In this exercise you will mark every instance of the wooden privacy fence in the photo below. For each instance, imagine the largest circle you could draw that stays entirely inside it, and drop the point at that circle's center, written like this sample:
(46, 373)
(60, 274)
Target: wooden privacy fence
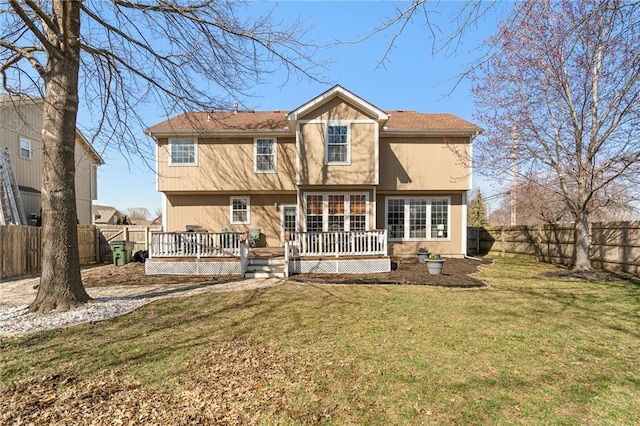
(21, 249)
(21, 246)
(138, 234)
(614, 245)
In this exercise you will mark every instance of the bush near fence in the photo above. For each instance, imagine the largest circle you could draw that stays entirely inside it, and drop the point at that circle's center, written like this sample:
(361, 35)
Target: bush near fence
(21, 249)
(614, 246)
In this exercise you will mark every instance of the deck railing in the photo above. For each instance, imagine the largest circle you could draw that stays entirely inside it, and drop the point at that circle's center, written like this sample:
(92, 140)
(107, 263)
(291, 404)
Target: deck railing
(194, 244)
(341, 243)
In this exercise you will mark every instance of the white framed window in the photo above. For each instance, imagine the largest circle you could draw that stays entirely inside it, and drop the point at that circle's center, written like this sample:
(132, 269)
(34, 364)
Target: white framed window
(336, 212)
(239, 210)
(183, 152)
(266, 155)
(314, 213)
(338, 146)
(358, 208)
(418, 218)
(25, 148)
(439, 218)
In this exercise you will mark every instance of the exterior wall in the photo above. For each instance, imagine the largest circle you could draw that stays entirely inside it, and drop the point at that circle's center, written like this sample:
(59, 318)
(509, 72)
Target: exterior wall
(425, 163)
(85, 184)
(452, 246)
(212, 212)
(31, 203)
(335, 109)
(363, 134)
(27, 124)
(362, 167)
(227, 164)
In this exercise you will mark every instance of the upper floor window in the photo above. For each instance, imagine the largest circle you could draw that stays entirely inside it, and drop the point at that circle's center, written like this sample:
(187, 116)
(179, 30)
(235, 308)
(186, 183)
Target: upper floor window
(25, 148)
(337, 149)
(265, 155)
(182, 152)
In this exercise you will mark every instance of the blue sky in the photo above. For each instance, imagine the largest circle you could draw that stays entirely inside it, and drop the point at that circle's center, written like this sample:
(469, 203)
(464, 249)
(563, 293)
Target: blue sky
(411, 79)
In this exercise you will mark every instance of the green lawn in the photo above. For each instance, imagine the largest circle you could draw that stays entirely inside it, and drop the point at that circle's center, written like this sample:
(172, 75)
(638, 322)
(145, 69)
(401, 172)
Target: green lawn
(528, 350)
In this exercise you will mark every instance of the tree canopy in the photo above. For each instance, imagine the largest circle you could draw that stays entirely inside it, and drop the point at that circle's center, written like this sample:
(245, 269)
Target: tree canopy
(112, 58)
(567, 80)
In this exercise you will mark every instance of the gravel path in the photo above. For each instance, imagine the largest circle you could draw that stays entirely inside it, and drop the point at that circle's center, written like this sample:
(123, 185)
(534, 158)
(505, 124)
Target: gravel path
(110, 302)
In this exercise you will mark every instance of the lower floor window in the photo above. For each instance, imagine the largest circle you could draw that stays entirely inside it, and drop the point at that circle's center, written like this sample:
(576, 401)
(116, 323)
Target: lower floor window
(336, 212)
(240, 210)
(418, 218)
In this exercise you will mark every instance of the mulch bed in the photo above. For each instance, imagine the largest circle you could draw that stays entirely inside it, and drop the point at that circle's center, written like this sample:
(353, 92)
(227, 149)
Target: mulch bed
(456, 273)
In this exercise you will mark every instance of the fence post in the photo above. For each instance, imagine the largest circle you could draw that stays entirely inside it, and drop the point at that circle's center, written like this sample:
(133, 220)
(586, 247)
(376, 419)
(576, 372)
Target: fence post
(146, 238)
(125, 233)
(96, 242)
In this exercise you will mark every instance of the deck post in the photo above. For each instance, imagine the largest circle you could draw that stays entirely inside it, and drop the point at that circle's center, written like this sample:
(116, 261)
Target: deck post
(384, 242)
(286, 259)
(244, 254)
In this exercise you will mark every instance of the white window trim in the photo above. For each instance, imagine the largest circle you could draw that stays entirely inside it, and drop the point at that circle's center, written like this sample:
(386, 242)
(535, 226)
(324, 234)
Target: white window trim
(297, 224)
(28, 157)
(428, 199)
(275, 156)
(195, 153)
(325, 208)
(248, 221)
(326, 144)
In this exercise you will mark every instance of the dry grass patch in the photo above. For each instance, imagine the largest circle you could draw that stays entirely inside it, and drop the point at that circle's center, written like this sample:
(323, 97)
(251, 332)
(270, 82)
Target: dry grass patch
(532, 349)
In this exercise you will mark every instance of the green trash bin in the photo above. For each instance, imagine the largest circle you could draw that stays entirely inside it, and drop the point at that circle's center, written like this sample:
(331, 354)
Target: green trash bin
(121, 252)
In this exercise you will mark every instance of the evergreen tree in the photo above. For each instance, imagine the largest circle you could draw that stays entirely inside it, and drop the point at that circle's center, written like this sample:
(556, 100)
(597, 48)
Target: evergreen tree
(477, 211)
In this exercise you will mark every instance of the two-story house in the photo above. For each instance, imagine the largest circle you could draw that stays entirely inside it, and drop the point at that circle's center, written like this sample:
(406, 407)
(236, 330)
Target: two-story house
(336, 163)
(20, 132)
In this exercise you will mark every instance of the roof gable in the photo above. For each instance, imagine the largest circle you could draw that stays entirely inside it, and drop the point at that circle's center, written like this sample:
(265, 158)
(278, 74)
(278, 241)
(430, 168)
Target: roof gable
(338, 91)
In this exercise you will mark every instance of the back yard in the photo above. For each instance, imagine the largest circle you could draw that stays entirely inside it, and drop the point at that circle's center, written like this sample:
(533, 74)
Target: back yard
(534, 347)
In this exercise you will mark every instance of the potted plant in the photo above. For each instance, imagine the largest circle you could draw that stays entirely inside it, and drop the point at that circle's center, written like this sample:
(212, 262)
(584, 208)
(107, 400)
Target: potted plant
(422, 254)
(435, 262)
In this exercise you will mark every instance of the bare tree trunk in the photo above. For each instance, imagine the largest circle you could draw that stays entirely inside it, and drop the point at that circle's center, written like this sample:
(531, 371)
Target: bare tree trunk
(582, 263)
(60, 283)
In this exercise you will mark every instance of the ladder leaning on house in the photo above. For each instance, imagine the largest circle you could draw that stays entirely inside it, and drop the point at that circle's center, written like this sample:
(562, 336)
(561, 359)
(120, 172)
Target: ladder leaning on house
(12, 211)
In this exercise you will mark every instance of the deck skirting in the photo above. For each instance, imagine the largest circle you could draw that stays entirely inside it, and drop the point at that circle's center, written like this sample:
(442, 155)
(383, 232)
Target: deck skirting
(339, 266)
(182, 267)
(176, 266)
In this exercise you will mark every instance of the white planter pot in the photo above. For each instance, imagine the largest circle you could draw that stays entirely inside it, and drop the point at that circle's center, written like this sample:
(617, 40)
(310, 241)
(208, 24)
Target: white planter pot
(435, 266)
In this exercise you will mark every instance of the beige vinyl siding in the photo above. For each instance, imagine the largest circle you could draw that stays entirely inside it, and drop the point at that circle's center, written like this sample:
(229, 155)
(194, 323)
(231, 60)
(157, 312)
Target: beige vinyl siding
(25, 123)
(24, 120)
(31, 203)
(360, 171)
(335, 109)
(425, 163)
(227, 164)
(212, 212)
(84, 183)
(452, 247)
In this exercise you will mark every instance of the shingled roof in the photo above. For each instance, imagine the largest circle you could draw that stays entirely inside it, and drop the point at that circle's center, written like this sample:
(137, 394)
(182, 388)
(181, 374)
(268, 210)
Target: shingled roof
(277, 121)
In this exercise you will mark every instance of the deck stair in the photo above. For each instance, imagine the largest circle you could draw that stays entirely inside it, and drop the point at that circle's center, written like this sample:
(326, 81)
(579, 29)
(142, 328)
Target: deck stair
(266, 263)
(11, 208)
